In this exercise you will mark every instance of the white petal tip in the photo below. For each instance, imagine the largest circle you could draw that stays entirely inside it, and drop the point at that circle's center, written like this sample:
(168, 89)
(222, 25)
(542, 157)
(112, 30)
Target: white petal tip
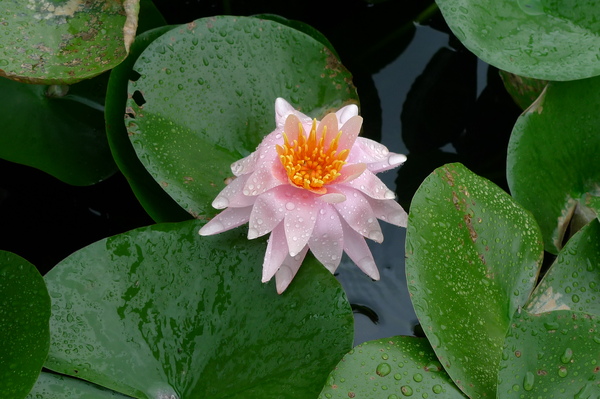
(397, 159)
(220, 203)
(252, 233)
(376, 236)
(283, 278)
(398, 218)
(333, 198)
(211, 228)
(368, 266)
(389, 194)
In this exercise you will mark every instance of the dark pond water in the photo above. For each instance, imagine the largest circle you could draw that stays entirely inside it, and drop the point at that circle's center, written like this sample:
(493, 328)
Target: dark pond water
(422, 94)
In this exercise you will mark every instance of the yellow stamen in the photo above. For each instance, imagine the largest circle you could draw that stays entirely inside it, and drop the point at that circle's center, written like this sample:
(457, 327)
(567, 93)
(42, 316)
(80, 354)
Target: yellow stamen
(308, 163)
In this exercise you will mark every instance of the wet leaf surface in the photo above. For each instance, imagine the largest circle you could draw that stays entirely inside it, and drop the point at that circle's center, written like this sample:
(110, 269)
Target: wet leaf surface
(64, 42)
(552, 40)
(392, 368)
(54, 386)
(57, 129)
(159, 205)
(553, 160)
(473, 257)
(163, 311)
(573, 281)
(24, 334)
(206, 93)
(551, 355)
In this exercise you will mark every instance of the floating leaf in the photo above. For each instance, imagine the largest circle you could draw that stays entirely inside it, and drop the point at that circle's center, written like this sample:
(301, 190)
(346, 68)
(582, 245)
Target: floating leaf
(523, 90)
(553, 160)
(551, 40)
(573, 281)
(551, 355)
(54, 386)
(24, 334)
(64, 42)
(390, 368)
(206, 94)
(472, 258)
(159, 205)
(163, 311)
(57, 129)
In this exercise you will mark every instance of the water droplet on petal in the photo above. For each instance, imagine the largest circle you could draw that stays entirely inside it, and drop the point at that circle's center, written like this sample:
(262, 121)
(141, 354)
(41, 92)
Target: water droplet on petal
(290, 206)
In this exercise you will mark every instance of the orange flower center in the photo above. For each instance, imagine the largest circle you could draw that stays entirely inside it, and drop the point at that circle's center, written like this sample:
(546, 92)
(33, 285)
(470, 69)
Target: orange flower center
(308, 163)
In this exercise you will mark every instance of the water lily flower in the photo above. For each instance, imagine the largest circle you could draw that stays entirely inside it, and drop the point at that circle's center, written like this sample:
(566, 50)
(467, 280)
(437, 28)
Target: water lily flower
(312, 185)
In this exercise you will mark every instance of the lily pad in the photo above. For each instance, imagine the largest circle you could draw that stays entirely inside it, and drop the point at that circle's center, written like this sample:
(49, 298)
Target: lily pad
(24, 333)
(155, 201)
(552, 355)
(206, 93)
(393, 368)
(553, 164)
(55, 386)
(57, 129)
(542, 39)
(162, 311)
(573, 281)
(63, 42)
(524, 91)
(472, 259)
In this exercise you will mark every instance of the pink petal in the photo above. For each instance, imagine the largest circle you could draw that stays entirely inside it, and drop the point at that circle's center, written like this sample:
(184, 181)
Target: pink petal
(268, 211)
(244, 165)
(372, 186)
(283, 109)
(345, 113)
(357, 249)
(377, 157)
(332, 197)
(350, 172)
(226, 220)
(300, 219)
(327, 239)
(292, 128)
(232, 195)
(357, 212)
(262, 180)
(331, 123)
(288, 270)
(389, 211)
(350, 131)
(276, 253)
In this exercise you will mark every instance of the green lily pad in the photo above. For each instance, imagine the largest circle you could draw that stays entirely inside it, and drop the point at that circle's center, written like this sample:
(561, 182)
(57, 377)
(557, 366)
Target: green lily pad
(24, 331)
(206, 93)
(553, 162)
(472, 258)
(63, 42)
(157, 203)
(163, 311)
(393, 368)
(523, 90)
(552, 355)
(573, 281)
(57, 129)
(542, 39)
(55, 386)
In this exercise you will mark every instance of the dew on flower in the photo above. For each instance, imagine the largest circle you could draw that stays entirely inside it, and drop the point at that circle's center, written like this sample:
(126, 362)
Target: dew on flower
(311, 179)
